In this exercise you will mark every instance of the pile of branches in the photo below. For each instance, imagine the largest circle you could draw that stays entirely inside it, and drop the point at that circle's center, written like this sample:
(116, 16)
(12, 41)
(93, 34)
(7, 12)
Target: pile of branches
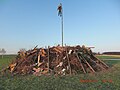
(56, 60)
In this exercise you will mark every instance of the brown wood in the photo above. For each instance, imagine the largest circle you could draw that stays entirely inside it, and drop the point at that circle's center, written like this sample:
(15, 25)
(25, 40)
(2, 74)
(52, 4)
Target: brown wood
(38, 59)
(48, 59)
(80, 63)
(101, 61)
(88, 64)
(68, 61)
(97, 64)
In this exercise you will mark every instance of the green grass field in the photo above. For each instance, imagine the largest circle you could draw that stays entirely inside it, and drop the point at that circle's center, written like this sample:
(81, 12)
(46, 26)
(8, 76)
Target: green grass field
(104, 80)
(6, 60)
(108, 56)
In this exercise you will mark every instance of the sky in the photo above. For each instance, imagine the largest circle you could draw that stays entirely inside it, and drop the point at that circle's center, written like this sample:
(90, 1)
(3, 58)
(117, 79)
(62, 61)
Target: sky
(27, 23)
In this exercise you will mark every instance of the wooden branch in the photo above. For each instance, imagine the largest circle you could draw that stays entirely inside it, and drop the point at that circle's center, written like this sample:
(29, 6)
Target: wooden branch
(97, 64)
(38, 58)
(48, 59)
(80, 62)
(101, 61)
(88, 63)
(68, 61)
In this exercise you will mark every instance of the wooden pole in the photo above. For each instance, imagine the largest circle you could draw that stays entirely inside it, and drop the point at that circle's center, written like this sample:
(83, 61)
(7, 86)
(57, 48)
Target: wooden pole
(68, 61)
(96, 64)
(60, 13)
(62, 26)
(87, 63)
(48, 59)
(80, 62)
(101, 61)
(38, 58)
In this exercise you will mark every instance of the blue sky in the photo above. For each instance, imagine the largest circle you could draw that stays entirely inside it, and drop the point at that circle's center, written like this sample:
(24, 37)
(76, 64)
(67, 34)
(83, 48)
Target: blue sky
(27, 23)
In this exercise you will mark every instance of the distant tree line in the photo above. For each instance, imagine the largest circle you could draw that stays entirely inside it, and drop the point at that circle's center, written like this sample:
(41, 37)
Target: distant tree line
(111, 53)
(2, 52)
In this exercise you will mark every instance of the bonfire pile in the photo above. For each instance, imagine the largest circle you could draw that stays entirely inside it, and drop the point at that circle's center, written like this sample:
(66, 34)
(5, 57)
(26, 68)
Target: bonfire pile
(56, 60)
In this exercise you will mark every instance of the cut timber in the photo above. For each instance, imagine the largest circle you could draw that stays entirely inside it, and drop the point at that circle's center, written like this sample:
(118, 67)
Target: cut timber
(101, 61)
(38, 59)
(87, 64)
(56, 60)
(80, 63)
(48, 58)
(68, 61)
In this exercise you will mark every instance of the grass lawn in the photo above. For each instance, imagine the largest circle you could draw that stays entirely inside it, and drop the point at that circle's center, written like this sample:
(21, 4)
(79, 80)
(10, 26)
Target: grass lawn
(104, 80)
(6, 60)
